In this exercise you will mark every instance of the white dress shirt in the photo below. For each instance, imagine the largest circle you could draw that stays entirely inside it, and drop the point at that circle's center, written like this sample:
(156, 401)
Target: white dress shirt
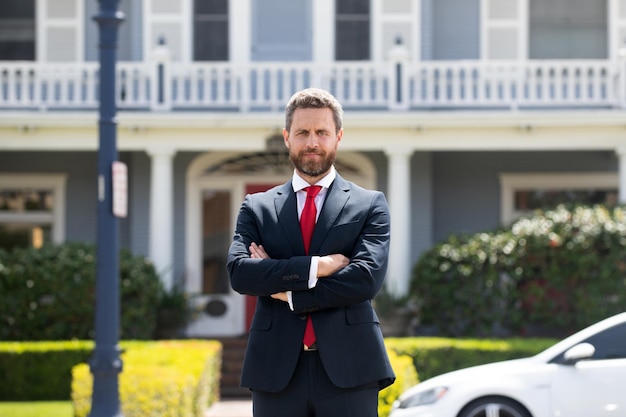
(299, 185)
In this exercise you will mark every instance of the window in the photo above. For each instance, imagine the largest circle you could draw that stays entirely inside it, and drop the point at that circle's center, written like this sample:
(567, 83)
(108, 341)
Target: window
(17, 30)
(608, 344)
(210, 30)
(568, 29)
(31, 210)
(523, 193)
(352, 30)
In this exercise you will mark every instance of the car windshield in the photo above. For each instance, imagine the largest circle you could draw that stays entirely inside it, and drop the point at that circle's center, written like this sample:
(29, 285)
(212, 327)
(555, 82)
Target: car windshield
(609, 344)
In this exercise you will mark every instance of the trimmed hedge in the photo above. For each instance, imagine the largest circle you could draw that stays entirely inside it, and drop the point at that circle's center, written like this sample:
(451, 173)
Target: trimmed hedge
(150, 365)
(406, 377)
(39, 371)
(49, 294)
(165, 378)
(434, 356)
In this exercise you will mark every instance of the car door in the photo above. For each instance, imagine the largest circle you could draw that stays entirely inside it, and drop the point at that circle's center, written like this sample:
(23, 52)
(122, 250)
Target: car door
(595, 386)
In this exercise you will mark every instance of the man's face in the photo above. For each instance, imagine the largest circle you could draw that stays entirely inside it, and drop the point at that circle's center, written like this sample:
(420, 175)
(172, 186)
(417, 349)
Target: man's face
(312, 142)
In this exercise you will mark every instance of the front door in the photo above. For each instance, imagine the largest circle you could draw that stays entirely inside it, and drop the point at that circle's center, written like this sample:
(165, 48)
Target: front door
(218, 309)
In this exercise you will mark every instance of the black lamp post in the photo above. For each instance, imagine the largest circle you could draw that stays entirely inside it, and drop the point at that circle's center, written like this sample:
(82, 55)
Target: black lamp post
(106, 363)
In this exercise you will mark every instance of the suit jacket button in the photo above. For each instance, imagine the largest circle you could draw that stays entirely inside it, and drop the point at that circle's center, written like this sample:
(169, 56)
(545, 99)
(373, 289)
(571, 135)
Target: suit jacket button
(302, 316)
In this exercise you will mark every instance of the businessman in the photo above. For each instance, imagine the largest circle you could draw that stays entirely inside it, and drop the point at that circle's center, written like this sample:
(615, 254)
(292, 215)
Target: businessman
(314, 251)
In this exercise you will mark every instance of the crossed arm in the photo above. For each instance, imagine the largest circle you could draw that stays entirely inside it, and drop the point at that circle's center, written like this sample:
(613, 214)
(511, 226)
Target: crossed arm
(255, 269)
(326, 266)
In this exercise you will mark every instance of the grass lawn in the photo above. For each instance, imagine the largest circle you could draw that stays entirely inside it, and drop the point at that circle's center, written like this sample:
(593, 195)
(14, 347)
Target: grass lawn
(36, 409)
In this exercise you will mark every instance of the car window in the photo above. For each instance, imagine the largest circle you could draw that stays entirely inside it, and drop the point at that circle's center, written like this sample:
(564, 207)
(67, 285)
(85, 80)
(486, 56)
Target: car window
(609, 344)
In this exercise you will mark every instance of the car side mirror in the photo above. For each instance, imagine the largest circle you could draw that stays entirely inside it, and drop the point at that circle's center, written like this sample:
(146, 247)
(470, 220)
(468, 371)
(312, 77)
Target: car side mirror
(579, 352)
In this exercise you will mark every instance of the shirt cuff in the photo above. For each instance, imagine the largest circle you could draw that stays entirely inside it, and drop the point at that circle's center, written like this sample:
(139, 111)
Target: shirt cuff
(312, 279)
(313, 271)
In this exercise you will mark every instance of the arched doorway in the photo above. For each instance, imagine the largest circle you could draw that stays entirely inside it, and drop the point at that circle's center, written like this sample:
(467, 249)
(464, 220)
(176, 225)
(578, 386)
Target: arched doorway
(217, 183)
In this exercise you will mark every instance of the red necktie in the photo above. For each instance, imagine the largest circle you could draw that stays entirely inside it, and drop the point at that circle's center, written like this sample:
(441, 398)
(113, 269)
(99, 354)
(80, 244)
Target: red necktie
(307, 224)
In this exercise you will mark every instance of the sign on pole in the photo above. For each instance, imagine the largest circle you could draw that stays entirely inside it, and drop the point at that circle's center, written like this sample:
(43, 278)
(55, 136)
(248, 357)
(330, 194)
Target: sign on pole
(120, 189)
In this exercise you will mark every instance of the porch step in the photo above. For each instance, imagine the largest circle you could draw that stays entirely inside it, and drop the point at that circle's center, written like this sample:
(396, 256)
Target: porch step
(233, 352)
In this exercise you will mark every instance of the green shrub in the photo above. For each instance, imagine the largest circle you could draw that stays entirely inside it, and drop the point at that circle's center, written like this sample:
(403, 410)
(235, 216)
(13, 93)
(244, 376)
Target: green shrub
(435, 355)
(49, 293)
(406, 377)
(165, 379)
(549, 275)
(39, 371)
(570, 269)
(458, 284)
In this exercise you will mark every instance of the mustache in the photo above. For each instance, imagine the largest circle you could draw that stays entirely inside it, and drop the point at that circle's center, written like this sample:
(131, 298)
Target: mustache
(312, 151)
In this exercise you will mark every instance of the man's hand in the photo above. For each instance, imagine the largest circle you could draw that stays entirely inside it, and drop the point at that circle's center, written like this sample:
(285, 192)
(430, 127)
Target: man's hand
(326, 266)
(330, 264)
(257, 251)
(282, 296)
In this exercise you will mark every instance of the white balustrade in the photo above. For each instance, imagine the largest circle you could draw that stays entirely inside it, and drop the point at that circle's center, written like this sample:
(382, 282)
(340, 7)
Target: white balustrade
(399, 84)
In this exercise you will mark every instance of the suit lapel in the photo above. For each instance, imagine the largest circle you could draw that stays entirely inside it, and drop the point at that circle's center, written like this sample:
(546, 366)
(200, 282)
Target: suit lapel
(336, 199)
(287, 213)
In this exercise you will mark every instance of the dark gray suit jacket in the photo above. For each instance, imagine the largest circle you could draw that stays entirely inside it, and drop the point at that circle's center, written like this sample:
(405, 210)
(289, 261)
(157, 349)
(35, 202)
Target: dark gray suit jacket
(353, 222)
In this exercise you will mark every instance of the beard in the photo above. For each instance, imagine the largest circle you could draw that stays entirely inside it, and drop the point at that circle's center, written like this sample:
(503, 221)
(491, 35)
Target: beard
(313, 168)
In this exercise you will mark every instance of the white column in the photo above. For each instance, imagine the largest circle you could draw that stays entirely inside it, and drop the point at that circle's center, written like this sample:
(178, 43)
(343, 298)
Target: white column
(621, 155)
(399, 187)
(161, 213)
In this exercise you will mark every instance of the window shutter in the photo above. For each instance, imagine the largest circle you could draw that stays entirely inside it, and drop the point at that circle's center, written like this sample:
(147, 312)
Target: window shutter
(504, 29)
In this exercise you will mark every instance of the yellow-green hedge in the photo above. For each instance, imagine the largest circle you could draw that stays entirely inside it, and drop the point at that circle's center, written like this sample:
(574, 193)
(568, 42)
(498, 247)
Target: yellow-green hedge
(406, 376)
(436, 355)
(39, 371)
(164, 379)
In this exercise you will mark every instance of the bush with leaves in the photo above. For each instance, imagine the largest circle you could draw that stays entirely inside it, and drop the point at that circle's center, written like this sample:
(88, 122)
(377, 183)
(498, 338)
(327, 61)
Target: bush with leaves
(49, 293)
(459, 283)
(557, 271)
(570, 269)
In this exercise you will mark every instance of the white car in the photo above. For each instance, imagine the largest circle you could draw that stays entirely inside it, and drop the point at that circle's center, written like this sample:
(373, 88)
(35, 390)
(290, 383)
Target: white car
(583, 375)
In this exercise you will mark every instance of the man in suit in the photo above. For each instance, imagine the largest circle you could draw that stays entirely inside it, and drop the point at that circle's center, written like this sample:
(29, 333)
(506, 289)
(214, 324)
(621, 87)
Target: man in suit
(315, 347)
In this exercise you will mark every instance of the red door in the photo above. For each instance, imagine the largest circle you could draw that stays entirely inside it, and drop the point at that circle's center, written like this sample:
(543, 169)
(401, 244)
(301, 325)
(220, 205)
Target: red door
(251, 300)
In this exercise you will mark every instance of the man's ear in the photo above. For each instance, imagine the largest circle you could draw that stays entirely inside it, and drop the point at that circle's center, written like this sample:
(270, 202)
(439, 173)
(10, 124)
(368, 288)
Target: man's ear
(339, 135)
(286, 137)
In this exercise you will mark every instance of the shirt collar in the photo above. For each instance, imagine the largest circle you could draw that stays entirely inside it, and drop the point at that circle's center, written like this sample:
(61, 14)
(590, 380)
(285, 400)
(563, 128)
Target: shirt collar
(298, 183)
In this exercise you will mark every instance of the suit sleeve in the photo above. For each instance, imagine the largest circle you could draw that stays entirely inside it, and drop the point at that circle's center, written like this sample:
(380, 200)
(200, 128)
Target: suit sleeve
(364, 276)
(261, 277)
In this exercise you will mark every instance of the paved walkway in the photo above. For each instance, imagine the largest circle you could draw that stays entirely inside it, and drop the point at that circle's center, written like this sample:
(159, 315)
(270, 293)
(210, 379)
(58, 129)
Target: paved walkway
(231, 408)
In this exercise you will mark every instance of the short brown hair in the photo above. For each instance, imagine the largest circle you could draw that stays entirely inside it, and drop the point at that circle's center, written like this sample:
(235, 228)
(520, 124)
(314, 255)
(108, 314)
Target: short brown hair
(314, 98)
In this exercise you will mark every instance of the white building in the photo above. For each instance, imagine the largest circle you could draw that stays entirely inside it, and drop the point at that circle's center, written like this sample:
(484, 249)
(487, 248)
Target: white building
(464, 112)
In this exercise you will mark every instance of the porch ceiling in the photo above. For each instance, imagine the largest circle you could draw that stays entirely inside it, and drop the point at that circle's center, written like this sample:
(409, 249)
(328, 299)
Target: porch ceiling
(364, 131)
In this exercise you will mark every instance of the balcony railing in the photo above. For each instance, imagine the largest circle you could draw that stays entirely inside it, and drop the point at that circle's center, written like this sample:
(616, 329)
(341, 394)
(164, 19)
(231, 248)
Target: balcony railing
(397, 84)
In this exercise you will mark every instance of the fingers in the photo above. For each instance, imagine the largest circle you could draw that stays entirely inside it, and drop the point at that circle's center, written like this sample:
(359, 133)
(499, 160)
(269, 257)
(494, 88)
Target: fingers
(282, 296)
(257, 251)
(330, 264)
(341, 260)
